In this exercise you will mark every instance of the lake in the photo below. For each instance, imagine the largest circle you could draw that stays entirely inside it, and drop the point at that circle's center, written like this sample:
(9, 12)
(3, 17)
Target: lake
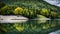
(32, 26)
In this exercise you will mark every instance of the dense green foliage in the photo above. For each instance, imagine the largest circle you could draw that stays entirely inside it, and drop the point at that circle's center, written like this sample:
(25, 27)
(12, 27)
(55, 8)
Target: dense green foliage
(30, 27)
(1, 4)
(30, 9)
(25, 12)
(48, 13)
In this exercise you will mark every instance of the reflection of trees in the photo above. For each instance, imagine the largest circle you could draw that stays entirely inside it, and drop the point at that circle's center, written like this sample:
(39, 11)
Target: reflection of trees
(31, 26)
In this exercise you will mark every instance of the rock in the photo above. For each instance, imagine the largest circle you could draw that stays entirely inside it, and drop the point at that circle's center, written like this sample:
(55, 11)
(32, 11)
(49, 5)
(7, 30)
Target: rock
(12, 19)
(56, 32)
(54, 2)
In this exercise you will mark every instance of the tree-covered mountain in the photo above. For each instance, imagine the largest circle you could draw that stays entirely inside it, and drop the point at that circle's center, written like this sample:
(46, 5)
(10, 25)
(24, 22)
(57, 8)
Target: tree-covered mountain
(30, 8)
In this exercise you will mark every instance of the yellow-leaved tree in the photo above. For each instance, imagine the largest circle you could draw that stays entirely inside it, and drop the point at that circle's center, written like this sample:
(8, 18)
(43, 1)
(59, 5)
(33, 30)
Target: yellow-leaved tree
(18, 10)
(44, 11)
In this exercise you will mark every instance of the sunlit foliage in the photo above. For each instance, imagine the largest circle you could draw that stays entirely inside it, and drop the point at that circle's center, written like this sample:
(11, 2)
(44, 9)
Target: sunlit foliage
(18, 27)
(30, 9)
(44, 11)
(54, 14)
(18, 10)
(24, 12)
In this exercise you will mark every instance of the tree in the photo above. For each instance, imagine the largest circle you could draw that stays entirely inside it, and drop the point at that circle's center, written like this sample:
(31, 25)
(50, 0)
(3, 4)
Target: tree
(18, 10)
(1, 4)
(4, 9)
(54, 14)
(44, 12)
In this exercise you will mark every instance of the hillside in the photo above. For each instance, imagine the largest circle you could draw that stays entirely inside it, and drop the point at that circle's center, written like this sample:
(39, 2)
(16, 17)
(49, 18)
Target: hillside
(30, 8)
(37, 9)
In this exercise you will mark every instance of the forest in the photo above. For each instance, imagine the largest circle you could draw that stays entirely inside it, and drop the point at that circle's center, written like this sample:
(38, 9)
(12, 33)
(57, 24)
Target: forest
(30, 9)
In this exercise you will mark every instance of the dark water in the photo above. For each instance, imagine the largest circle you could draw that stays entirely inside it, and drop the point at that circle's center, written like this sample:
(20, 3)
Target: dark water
(31, 27)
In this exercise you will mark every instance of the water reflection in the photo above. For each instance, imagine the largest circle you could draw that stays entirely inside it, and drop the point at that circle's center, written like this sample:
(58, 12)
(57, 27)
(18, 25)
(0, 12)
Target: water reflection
(31, 26)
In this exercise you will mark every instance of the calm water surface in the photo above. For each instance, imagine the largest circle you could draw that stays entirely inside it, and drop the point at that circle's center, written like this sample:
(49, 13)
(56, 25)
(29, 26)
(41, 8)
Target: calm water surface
(35, 27)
